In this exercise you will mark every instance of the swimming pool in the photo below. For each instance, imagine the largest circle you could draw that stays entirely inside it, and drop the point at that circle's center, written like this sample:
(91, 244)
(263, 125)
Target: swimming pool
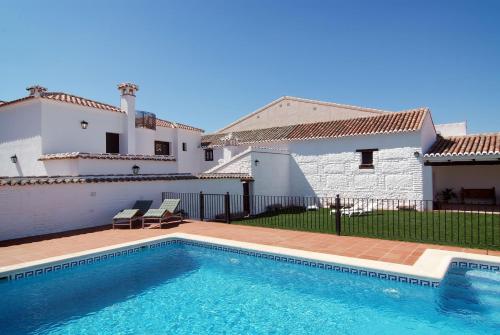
(190, 289)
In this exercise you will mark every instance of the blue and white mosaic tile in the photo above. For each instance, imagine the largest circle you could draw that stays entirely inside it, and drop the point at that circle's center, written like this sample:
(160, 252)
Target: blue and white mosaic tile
(278, 258)
(474, 265)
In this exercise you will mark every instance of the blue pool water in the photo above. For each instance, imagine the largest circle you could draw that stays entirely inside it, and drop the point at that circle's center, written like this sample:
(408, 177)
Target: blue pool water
(185, 289)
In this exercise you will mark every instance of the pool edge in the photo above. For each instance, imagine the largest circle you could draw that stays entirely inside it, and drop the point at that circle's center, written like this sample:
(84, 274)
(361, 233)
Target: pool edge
(429, 270)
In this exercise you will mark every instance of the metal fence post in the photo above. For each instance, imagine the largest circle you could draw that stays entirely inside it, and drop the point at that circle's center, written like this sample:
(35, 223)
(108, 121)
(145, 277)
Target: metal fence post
(337, 215)
(202, 206)
(227, 207)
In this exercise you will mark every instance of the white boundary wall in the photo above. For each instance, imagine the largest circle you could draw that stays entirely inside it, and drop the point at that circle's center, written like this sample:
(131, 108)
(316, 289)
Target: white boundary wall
(43, 209)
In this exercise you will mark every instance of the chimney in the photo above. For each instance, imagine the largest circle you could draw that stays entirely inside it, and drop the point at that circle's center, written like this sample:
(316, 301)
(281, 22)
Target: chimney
(36, 91)
(127, 104)
(229, 143)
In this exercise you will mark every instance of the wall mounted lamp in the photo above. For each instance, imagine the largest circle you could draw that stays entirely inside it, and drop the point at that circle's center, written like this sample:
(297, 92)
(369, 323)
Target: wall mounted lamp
(135, 169)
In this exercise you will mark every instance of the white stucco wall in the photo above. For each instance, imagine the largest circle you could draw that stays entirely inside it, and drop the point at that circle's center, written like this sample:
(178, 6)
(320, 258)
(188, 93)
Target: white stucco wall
(165, 134)
(241, 163)
(20, 135)
(189, 161)
(61, 130)
(270, 169)
(41, 126)
(327, 168)
(74, 167)
(43, 209)
(428, 136)
(452, 129)
(272, 174)
(145, 141)
(470, 176)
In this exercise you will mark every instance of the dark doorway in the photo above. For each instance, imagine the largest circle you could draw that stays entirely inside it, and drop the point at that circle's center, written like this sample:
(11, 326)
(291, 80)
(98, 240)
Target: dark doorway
(246, 198)
(112, 143)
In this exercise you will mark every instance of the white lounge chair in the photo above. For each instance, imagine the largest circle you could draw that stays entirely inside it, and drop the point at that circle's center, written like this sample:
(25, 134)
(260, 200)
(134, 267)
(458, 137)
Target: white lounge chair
(358, 209)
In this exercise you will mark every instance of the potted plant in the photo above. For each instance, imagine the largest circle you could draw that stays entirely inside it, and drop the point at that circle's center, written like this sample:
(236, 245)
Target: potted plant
(446, 195)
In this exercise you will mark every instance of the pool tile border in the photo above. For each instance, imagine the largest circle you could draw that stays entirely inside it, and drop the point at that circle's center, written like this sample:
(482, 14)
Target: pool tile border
(474, 265)
(318, 264)
(97, 255)
(218, 247)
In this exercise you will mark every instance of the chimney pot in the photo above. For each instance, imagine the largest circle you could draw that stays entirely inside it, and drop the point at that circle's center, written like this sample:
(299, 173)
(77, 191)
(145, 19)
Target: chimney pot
(36, 91)
(128, 88)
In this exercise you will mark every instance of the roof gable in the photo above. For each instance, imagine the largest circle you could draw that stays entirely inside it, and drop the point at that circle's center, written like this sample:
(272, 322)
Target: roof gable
(315, 104)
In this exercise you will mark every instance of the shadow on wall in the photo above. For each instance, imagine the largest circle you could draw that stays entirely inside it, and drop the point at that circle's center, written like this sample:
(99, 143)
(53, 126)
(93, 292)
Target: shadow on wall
(299, 185)
(19, 169)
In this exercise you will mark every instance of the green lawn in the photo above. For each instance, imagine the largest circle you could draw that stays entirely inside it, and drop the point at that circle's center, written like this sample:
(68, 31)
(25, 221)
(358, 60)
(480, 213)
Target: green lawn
(450, 228)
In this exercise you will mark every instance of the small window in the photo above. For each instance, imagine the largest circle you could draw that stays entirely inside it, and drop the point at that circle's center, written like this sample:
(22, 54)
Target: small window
(366, 158)
(184, 146)
(209, 155)
(112, 143)
(162, 148)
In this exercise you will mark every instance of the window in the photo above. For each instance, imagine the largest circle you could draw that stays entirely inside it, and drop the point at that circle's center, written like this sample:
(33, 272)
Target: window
(112, 143)
(209, 155)
(162, 148)
(366, 158)
(184, 146)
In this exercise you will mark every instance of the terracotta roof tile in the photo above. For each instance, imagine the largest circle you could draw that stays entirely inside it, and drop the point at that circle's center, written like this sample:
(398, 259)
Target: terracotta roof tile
(85, 155)
(24, 181)
(480, 144)
(169, 124)
(164, 123)
(241, 176)
(73, 99)
(44, 180)
(69, 98)
(405, 121)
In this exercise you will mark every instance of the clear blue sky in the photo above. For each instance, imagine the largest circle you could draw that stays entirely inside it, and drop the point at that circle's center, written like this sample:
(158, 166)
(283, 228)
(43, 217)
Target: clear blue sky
(207, 63)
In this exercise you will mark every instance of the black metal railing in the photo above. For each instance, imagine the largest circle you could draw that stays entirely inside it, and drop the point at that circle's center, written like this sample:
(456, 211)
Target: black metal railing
(145, 120)
(474, 226)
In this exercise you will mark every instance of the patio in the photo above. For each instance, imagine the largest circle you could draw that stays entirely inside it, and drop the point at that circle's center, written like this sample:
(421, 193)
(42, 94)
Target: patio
(36, 248)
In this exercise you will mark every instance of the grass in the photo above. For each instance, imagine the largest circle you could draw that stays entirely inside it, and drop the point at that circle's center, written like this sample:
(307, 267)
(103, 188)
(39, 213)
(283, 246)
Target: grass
(466, 229)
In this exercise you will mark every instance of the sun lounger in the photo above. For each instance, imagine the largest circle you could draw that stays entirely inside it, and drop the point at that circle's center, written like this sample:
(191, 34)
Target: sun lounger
(167, 211)
(127, 216)
(358, 209)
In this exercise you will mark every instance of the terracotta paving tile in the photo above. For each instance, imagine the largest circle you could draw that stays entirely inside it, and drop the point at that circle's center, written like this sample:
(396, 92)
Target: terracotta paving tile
(375, 258)
(12, 252)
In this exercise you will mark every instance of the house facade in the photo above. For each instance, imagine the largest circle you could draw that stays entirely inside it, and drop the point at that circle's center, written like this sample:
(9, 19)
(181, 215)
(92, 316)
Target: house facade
(377, 156)
(357, 152)
(68, 162)
(54, 133)
(64, 155)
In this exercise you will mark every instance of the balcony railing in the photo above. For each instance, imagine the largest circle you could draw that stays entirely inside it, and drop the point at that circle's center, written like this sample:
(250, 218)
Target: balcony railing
(145, 120)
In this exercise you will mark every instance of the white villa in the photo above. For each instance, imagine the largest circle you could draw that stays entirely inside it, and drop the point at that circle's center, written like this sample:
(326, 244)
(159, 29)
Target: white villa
(315, 148)
(68, 162)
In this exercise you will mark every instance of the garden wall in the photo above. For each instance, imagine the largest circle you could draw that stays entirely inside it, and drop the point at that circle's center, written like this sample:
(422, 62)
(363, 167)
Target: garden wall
(43, 209)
